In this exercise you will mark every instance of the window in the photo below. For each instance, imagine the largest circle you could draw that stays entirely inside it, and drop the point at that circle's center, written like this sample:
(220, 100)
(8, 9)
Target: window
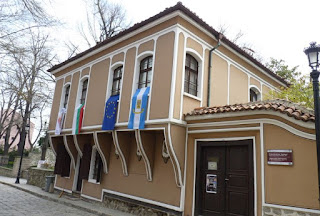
(117, 75)
(66, 96)
(254, 94)
(84, 91)
(191, 76)
(95, 166)
(145, 72)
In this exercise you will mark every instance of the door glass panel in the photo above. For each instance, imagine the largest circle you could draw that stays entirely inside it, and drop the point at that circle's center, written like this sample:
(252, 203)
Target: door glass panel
(213, 163)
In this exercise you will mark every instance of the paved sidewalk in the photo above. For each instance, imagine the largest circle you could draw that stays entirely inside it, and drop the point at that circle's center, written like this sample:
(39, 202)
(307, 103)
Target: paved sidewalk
(85, 205)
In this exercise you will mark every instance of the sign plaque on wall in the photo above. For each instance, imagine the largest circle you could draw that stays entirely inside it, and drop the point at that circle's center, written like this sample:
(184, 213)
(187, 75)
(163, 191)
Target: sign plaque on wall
(280, 157)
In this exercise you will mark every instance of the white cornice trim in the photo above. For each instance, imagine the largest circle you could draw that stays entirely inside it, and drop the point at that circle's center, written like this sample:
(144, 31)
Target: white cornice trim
(309, 125)
(250, 121)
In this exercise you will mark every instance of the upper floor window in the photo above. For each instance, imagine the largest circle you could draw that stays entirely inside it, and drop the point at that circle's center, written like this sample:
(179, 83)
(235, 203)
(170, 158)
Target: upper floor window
(145, 72)
(254, 94)
(117, 75)
(191, 76)
(84, 91)
(66, 96)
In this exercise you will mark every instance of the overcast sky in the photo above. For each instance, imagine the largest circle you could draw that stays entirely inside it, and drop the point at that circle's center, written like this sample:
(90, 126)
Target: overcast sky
(279, 29)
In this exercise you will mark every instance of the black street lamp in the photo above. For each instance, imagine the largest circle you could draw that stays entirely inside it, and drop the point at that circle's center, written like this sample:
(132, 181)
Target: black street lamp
(313, 56)
(23, 141)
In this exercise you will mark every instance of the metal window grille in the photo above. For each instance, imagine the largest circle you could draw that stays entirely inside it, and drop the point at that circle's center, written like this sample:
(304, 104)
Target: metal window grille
(117, 75)
(145, 72)
(84, 91)
(191, 76)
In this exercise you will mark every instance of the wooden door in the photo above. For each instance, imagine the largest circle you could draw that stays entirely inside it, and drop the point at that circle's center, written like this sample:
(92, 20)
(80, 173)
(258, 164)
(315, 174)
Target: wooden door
(224, 178)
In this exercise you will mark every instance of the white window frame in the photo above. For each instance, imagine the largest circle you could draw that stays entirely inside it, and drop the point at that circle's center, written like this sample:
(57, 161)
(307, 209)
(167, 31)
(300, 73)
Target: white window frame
(92, 165)
(139, 58)
(110, 80)
(199, 59)
(256, 90)
(62, 99)
(80, 86)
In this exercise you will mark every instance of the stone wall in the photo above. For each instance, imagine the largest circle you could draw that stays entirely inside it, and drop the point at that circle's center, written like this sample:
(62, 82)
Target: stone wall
(4, 159)
(34, 158)
(24, 166)
(4, 171)
(134, 208)
(37, 176)
(50, 157)
(271, 211)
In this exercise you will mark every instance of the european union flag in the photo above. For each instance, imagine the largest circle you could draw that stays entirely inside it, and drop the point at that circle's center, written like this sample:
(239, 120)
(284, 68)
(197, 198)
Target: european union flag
(110, 113)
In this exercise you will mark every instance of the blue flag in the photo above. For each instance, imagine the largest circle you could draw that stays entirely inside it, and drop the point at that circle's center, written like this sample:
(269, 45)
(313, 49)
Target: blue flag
(110, 113)
(139, 109)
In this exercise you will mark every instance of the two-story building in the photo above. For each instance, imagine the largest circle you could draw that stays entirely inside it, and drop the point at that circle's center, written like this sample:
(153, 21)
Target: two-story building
(187, 159)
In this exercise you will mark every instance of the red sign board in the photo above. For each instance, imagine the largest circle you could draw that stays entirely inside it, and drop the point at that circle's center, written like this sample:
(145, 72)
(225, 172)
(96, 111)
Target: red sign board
(280, 157)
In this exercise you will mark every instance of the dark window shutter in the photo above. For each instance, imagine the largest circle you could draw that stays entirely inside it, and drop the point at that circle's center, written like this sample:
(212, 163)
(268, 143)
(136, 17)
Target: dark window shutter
(63, 160)
(66, 164)
(85, 163)
(59, 159)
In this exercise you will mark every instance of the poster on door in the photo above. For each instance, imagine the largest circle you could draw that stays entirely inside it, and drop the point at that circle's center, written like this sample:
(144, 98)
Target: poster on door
(211, 183)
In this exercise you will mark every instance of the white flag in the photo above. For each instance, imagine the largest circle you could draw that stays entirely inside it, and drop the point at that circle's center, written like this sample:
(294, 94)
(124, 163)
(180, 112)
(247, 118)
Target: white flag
(60, 121)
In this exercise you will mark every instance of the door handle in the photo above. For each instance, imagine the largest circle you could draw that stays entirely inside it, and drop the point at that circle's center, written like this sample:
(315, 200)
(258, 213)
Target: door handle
(226, 179)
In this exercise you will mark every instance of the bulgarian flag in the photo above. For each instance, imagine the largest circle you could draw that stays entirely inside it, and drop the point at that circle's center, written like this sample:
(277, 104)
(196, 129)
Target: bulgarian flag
(77, 119)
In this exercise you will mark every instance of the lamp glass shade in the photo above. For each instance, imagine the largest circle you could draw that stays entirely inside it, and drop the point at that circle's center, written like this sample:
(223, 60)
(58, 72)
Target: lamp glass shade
(313, 59)
(313, 55)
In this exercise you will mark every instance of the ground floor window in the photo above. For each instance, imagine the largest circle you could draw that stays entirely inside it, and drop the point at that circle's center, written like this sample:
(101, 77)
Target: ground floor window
(95, 167)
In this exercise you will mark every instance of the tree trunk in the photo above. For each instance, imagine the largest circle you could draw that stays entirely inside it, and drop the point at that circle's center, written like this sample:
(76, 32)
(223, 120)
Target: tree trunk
(23, 129)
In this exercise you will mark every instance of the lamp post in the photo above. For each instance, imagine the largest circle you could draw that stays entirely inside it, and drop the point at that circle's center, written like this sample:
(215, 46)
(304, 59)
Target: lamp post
(313, 56)
(23, 141)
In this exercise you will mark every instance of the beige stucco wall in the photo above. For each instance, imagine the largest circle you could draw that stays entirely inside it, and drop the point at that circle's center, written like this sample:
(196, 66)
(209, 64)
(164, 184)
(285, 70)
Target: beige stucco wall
(118, 58)
(147, 46)
(96, 96)
(219, 81)
(65, 182)
(67, 79)
(189, 104)
(192, 44)
(85, 72)
(127, 85)
(295, 185)
(255, 82)
(265, 91)
(162, 188)
(55, 104)
(238, 86)
(162, 75)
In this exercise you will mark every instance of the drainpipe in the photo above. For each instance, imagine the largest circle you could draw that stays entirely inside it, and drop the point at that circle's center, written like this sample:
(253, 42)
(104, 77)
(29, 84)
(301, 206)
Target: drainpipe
(209, 67)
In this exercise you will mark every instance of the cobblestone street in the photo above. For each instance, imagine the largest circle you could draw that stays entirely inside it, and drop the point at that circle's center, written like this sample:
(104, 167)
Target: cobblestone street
(15, 202)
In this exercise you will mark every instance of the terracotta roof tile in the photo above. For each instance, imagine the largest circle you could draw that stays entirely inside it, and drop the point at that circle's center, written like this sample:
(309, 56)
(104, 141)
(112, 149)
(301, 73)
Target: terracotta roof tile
(291, 109)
